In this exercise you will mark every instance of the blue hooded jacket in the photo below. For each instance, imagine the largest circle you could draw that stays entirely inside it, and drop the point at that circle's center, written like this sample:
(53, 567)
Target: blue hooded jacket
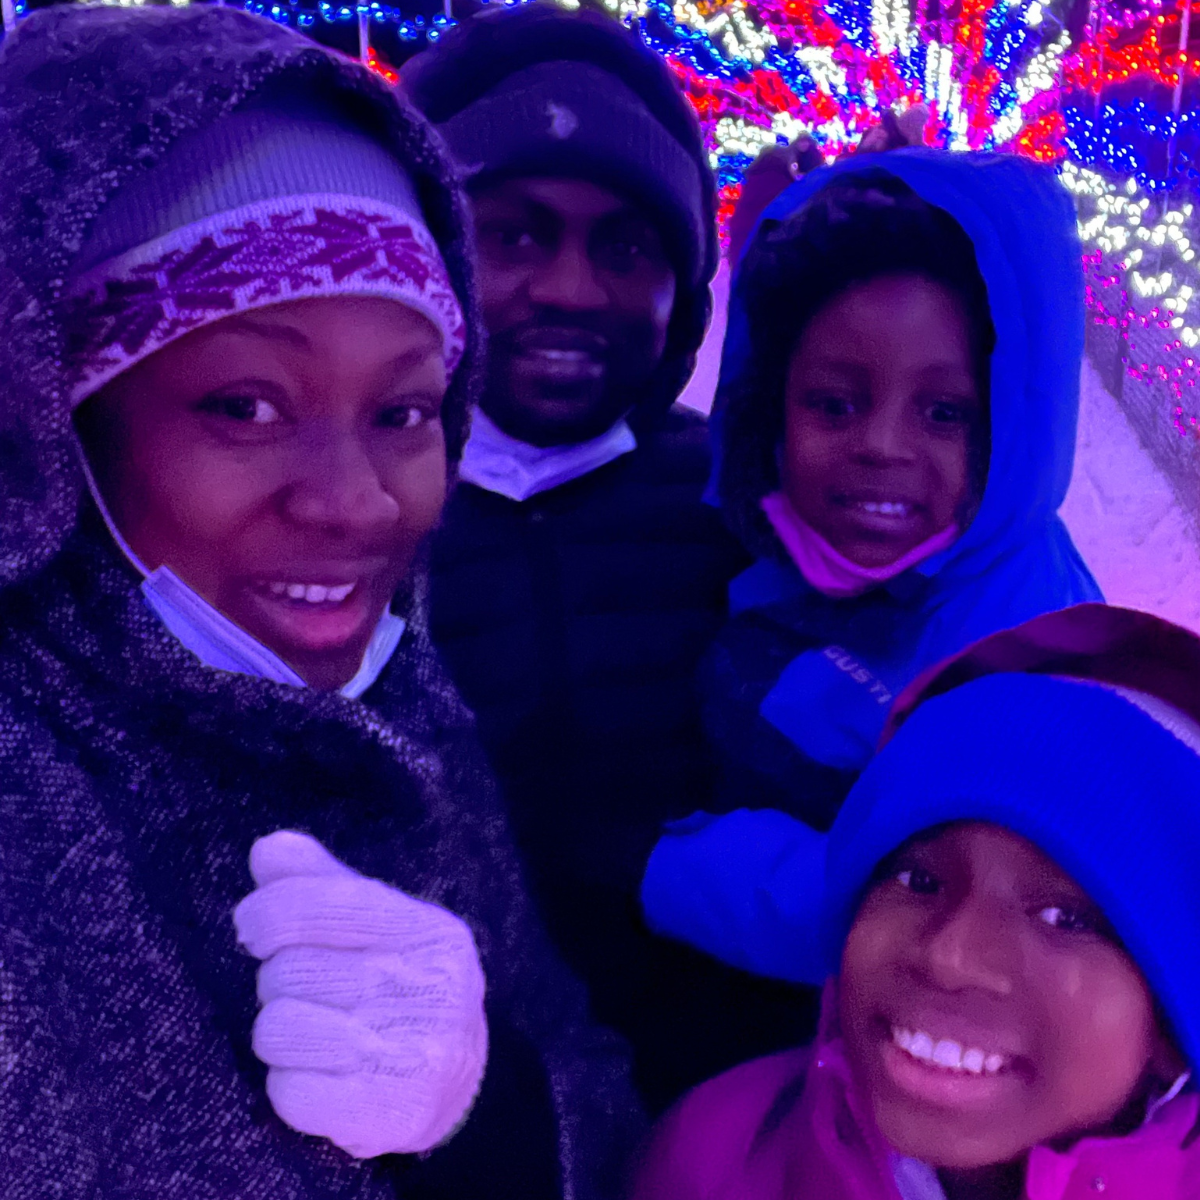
(798, 685)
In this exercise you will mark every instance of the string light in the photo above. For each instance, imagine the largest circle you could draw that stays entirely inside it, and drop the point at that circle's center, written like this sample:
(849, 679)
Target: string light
(1002, 74)
(997, 74)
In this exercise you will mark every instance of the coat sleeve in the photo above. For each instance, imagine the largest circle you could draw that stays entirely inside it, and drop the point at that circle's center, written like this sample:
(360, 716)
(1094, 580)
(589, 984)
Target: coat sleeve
(745, 888)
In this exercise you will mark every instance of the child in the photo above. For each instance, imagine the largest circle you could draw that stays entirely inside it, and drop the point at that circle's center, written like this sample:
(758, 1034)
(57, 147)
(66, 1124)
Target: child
(236, 282)
(1011, 903)
(895, 427)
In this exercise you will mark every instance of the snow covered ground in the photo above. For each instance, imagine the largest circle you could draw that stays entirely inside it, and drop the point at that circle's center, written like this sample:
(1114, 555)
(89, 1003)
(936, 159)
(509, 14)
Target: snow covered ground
(1122, 511)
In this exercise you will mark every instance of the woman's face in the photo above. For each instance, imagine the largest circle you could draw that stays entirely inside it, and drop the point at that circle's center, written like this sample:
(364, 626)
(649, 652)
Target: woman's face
(286, 464)
(881, 408)
(987, 1006)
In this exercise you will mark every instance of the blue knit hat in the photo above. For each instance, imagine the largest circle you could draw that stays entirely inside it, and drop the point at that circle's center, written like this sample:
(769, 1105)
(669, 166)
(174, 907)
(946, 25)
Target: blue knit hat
(1105, 780)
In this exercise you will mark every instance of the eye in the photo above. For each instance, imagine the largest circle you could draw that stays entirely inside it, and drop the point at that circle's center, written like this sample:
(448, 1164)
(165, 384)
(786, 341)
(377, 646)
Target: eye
(512, 239)
(917, 880)
(621, 255)
(406, 416)
(833, 405)
(1072, 920)
(950, 412)
(249, 410)
(508, 239)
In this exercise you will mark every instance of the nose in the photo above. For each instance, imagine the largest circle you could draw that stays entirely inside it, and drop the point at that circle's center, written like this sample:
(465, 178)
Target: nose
(568, 281)
(969, 947)
(886, 436)
(335, 486)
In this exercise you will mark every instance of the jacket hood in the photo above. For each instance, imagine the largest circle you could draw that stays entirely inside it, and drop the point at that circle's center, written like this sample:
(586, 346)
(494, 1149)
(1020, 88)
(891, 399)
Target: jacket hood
(1015, 560)
(89, 97)
(1023, 227)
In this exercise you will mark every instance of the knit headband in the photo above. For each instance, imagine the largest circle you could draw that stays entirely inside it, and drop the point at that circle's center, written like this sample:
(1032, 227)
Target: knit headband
(292, 248)
(268, 206)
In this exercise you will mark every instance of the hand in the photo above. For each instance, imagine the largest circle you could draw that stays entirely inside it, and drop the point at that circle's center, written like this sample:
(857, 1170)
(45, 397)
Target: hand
(907, 129)
(372, 1024)
(774, 169)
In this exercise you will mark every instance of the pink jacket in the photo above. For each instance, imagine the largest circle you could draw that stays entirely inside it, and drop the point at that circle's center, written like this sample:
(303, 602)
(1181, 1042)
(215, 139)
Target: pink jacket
(792, 1127)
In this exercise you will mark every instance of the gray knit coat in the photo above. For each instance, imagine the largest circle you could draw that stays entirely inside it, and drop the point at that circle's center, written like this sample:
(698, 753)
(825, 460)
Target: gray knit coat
(133, 780)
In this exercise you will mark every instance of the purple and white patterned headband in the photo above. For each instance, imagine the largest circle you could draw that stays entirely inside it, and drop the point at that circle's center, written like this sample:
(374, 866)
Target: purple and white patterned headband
(268, 252)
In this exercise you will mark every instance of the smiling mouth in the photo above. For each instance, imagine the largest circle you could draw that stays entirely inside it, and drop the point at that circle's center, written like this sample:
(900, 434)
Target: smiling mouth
(945, 1054)
(558, 365)
(312, 616)
(946, 1075)
(896, 509)
(309, 593)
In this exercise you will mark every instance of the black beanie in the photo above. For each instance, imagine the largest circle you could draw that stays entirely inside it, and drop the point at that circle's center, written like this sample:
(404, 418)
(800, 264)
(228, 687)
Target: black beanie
(537, 90)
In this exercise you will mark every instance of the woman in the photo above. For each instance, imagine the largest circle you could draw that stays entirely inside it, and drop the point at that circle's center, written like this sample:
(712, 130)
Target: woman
(238, 264)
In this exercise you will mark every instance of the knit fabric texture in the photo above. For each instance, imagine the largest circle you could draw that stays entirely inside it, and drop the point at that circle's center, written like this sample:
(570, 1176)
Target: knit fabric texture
(270, 204)
(136, 780)
(577, 119)
(538, 90)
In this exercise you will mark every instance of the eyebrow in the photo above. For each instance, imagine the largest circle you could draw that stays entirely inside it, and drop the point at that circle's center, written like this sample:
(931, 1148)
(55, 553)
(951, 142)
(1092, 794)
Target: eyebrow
(293, 337)
(279, 333)
(413, 357)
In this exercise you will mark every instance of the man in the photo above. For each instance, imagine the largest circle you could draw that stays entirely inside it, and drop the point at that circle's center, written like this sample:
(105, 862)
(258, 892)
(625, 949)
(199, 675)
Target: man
(579, 576)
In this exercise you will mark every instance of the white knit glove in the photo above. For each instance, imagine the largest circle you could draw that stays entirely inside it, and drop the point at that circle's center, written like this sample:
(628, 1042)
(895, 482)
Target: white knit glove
(372, 1023)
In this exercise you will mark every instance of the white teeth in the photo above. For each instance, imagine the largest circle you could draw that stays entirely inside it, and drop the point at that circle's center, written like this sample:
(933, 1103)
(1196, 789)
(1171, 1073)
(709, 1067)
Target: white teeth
(972, 1060)
(946, 1053)
(922, 1046)
(888, 508)
(312, 593)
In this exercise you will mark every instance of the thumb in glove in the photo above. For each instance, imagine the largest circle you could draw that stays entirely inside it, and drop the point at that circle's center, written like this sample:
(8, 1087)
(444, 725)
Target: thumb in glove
(373, 1023)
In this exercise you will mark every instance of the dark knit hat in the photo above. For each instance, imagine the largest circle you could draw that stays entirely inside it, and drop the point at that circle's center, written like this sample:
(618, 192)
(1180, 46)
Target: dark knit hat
(536, 90)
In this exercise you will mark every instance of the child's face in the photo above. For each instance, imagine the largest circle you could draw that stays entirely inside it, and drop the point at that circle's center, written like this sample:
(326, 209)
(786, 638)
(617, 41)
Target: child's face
(287, 464)
(986, 1006)
(881, 407)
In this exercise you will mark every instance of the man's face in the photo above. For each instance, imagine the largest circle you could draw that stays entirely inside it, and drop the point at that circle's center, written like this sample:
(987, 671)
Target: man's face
(577, 296)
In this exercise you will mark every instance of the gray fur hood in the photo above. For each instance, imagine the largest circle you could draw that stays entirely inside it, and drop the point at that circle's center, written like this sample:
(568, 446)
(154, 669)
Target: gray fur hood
(89, 96)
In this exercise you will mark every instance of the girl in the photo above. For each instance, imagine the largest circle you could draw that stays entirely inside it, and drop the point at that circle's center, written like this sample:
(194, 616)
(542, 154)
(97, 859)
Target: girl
(895, 428)
(240, 264)
(1011, 904)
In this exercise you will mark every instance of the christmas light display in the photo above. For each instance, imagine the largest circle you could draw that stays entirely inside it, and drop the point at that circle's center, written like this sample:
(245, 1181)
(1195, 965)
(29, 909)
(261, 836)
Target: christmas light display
(1113, 104)
(998, 75)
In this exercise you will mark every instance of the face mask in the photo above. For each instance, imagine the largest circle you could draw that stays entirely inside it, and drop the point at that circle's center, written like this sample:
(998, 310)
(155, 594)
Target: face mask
(498, 463)
(827, 570)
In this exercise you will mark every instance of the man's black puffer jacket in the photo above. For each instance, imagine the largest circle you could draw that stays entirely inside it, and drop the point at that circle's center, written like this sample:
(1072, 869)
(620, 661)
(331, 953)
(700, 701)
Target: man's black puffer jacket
(572, 624)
